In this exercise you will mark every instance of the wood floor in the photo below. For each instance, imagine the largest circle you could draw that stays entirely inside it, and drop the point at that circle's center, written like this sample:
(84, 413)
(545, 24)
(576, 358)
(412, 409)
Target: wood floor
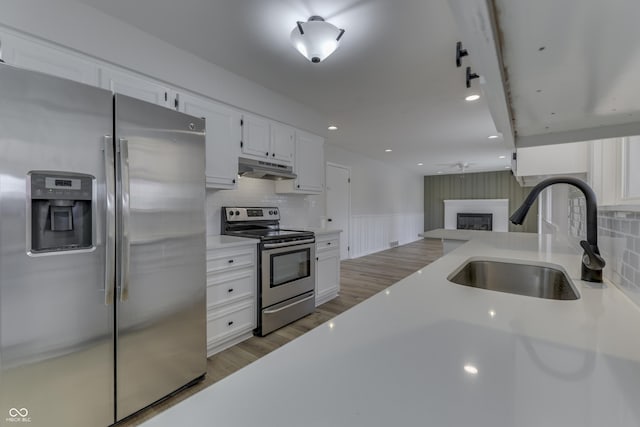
(360, 278)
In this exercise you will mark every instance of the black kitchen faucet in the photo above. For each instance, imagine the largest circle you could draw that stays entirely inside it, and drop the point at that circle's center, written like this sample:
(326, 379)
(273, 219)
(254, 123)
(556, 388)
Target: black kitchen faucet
(592, 262)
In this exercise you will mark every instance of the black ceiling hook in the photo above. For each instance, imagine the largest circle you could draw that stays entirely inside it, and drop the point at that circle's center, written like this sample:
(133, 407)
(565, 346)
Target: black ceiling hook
(460, 53)
(470, 76)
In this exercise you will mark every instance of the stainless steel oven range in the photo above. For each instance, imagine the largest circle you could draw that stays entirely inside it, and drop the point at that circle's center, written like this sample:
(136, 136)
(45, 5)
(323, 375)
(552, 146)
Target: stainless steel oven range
(286, 265)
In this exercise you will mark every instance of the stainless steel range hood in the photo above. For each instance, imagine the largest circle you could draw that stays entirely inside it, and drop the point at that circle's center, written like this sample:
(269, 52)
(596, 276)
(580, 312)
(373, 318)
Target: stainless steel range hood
(264, 170)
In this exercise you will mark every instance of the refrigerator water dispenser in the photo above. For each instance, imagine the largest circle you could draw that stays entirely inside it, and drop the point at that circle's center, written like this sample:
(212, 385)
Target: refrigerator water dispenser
(61, 211)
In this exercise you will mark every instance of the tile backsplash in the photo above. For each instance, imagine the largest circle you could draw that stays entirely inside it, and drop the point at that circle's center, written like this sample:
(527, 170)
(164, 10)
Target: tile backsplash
(619, 237)
(618, 240)
(296, 210)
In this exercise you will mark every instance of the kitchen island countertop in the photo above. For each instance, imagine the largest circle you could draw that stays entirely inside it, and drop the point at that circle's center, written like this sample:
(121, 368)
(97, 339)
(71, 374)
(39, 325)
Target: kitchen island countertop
(432, 353)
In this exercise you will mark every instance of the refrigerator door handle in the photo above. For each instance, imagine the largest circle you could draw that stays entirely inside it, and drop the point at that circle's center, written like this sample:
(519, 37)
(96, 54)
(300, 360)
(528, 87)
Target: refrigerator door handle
(124, 200)
(110, 240)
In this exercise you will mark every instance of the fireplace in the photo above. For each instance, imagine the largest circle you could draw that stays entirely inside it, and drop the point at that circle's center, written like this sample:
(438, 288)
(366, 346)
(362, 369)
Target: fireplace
(474, 221)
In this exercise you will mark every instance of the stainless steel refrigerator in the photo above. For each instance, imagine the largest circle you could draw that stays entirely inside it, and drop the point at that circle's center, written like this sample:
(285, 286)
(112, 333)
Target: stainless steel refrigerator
(102, 252)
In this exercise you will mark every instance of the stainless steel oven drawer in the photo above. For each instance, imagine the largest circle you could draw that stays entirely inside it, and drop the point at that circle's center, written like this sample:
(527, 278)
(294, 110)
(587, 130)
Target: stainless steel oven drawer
(283, 313)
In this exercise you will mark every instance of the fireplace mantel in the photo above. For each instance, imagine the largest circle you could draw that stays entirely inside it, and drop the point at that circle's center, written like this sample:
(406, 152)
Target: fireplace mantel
(499, 208)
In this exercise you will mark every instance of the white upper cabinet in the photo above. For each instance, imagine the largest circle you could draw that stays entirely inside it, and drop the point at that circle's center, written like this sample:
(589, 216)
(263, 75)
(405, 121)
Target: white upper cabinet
(630, 170)
(255, 136)
(136, 86)
(308, 165)
(48, 59)
(282, 142)
(264, 139)
(222, 136)
(613, 172)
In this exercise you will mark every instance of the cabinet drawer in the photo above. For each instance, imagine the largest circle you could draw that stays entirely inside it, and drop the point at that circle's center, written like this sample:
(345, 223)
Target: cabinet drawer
(325, 245)
(230, 322)
(224, 288)
(230, 261)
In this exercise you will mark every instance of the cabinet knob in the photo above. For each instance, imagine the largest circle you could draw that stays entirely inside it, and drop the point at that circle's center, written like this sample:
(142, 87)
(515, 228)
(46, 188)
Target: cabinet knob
(230, 261)
(317, 258)
(298, 185)
(230, 290)
(273, 154)
(329, 243)
(267, 153)
(234, 180)
(230, 323)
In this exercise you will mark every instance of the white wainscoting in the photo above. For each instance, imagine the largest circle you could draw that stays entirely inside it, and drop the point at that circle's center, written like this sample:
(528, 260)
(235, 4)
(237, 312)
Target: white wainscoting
(374, 233)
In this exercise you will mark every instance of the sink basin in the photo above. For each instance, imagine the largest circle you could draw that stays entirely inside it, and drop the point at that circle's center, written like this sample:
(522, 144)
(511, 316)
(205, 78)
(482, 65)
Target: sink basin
(540, 281)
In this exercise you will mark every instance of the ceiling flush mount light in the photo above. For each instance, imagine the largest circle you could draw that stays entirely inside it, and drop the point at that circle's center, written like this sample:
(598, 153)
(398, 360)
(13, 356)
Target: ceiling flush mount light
(333, 127)
(473, 97)
(316, 39)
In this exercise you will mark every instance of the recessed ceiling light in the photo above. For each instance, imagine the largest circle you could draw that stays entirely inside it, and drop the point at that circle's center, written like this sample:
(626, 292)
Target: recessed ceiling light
(507, 167)
(333, 127)
(502, 157)
(470, 369)
(472, 97)
(439, 172)
(420, 164)
(388, 150)
(492, 136)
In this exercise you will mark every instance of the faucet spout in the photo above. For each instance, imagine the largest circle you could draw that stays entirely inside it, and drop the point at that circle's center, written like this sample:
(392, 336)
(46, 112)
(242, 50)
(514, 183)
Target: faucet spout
(592, 262)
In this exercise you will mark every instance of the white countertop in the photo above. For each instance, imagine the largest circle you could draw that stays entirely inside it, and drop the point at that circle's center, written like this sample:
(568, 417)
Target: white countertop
(224, 241)
(318, 231)
(398, 358)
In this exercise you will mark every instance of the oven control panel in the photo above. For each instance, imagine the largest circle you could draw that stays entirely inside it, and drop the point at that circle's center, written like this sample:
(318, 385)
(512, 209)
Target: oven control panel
(251, 214)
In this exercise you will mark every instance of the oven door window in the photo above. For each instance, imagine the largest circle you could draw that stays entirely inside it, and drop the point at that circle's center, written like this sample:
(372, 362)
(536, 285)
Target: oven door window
(290, 266)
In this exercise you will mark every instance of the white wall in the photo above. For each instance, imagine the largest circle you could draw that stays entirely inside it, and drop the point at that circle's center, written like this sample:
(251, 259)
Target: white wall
(386, 202)
(296, 210)
(94, 33)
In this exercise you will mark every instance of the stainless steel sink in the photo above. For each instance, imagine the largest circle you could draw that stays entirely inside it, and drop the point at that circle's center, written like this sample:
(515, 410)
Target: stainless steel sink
(523, 279)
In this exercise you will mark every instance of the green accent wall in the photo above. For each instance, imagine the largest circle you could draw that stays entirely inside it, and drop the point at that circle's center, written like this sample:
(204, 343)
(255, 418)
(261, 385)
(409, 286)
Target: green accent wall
(483, 185)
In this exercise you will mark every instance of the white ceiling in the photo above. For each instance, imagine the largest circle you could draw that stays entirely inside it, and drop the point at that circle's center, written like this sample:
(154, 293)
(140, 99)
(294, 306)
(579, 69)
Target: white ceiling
(391, 84)
(573, 66)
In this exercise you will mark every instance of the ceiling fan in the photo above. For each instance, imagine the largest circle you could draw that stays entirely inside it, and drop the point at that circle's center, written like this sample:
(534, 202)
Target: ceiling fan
(461, 166)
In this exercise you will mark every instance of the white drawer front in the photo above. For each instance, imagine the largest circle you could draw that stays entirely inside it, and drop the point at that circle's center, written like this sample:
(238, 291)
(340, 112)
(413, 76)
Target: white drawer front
(231, 322)
(325, 245)
(225, 288)
(230, 261)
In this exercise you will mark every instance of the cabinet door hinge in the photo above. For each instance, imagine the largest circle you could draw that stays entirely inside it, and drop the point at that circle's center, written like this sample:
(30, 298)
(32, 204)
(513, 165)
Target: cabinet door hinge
(166, 96)
(241, 122)
(348, 248)
(349, 180)
(241, 144)
(176, 102)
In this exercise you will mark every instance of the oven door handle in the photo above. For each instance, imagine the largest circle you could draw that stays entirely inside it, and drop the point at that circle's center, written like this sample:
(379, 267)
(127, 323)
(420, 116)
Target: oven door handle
(288, 305)
(290, 243)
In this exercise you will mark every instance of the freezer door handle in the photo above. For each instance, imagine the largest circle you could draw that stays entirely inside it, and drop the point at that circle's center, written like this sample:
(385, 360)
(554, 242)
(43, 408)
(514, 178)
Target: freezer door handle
(110, 238)
(124, 210)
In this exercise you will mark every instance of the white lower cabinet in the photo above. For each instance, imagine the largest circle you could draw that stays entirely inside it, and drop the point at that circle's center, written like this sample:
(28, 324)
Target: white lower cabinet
(327, 267)
(231, 296)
